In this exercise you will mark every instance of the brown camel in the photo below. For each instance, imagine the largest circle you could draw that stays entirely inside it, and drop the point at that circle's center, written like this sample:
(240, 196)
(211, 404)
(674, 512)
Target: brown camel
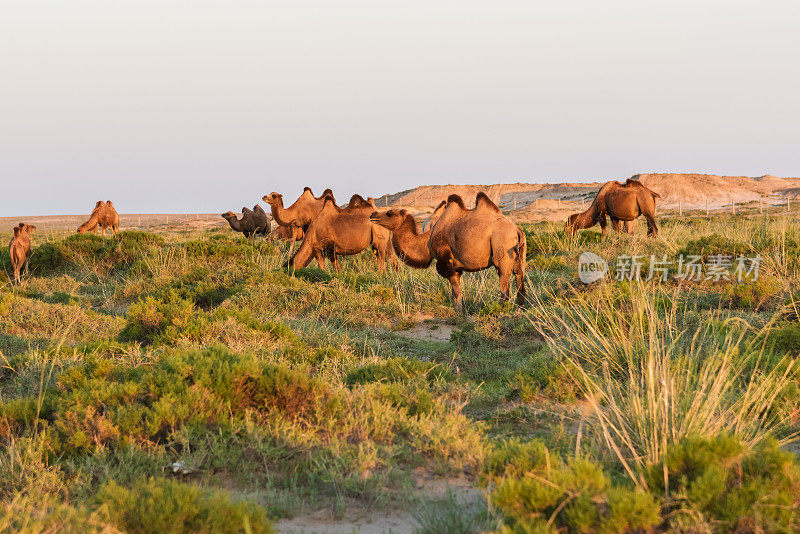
(623, 203)
(298, 215)
(302, 212)
(462, 240)
(253, 222)
(20, 248)
(103, 216)
(343, 232)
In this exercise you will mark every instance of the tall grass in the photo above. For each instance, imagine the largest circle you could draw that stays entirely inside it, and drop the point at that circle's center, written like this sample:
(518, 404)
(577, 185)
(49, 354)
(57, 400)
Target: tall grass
(653, 374)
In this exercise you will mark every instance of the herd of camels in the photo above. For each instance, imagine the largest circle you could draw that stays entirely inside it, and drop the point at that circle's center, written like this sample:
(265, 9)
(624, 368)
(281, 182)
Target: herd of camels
(458, 239)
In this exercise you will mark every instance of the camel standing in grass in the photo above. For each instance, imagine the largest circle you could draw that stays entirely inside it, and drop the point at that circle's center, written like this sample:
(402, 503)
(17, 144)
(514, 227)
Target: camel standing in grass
(462, 240)
(104, 215)
(623, 204)
(343, 232)
(20, 248)
(253, 222)
(298, 215)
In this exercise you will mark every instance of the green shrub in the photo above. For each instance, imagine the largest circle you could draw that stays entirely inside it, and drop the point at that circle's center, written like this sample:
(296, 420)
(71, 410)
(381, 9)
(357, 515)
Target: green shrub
(171, 506)
(395, 370)
(785, 339)
(752, 295)
(729, 484)
(162, 320)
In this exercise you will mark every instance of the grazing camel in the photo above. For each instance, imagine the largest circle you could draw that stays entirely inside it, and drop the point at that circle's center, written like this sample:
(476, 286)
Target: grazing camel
(623, 203)
(462, 240)
(20, 248)
(253, 222)
(343, 232)
(104, 215)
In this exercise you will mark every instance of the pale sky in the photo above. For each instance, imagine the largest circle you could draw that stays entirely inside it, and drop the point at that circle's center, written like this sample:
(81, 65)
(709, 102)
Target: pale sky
(205, 106)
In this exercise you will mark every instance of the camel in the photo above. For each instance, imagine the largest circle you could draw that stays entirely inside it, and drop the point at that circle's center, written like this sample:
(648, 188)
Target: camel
(623, 203)
(343, 232)
(300, 214)
(20, 248)
(462, 240)
(103, 216)
(253, 222)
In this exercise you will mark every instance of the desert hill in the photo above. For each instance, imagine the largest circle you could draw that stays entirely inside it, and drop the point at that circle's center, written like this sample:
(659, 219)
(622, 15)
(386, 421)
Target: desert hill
(529, 201)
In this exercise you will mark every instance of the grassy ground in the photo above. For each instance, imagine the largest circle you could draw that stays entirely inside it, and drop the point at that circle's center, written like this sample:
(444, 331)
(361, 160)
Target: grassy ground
(181, 379)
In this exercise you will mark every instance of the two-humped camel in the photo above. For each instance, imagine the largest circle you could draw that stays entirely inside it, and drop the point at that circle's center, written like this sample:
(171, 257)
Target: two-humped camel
(103, 216)
(462, 240)
(20, 248)
(294, 221)
(344, 232)
(253, 222)
(623, 204)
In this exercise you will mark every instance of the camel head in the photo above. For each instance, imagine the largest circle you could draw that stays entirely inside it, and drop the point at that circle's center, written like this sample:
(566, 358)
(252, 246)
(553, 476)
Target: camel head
(228, 215)
(391, 219)
(273, 199)
(29, 228)
(570, 227)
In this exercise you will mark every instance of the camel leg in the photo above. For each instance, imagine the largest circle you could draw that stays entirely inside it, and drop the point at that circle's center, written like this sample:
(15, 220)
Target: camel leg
(631, 226)
(320, 259)
(603, 222)
(380, 256)
(505, 283)
(445, 270)
(652, 229)
(616, 224)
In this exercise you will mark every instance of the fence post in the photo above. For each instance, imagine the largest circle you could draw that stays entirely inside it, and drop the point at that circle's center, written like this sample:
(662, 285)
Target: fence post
(706, 206)
(760, 205)
(680, 207)
(733, 207)
(788, 204)
(515, 202)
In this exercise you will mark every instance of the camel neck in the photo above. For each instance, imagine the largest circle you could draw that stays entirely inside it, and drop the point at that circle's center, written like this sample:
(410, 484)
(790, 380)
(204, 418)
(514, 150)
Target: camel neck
(412, 246)
(279, 213)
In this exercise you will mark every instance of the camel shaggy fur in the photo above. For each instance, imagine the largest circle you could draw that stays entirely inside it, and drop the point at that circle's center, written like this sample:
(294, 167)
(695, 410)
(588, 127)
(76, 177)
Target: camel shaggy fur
(253, 222)
(462, 240)
(104, 215)
(20, 248)
(623, 204)
(343, 232)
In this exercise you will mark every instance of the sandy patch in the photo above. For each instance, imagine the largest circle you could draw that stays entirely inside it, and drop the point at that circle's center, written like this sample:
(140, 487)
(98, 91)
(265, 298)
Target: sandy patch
(428, 329)
(359, 521)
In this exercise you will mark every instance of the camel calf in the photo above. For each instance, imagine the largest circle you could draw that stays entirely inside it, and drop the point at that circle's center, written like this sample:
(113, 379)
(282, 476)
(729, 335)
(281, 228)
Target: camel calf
(20, 248)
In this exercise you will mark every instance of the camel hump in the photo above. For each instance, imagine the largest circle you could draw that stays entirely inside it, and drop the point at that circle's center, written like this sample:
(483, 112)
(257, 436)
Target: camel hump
(455, 199)
(637, 183)
(16, 231)
(109, 203)
(482, 199)
(357, 201)
(328, 191)
(306, 188)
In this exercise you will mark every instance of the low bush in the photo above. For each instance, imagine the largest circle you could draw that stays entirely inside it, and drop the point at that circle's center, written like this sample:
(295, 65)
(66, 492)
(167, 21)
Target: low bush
(170, 506)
